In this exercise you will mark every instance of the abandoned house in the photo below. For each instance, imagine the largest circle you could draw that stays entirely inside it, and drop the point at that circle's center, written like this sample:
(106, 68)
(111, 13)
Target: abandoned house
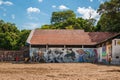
(74, 46)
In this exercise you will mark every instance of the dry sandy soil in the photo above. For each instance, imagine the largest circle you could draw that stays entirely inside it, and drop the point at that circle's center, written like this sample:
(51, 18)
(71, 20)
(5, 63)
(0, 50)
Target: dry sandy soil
(58, 71)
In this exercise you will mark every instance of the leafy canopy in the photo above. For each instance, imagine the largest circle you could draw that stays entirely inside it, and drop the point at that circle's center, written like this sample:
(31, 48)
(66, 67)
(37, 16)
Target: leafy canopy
(10, 37)
(67, 20)
(110, 16)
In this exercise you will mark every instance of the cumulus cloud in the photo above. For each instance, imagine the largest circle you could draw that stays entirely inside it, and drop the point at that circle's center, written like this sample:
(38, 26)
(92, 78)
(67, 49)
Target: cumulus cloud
(8, 3)
(33, 10)
(87, 13)
(40, 0)
(30, 25)
(13, 16)
(35, 13)
(53, 6)
(63, 7)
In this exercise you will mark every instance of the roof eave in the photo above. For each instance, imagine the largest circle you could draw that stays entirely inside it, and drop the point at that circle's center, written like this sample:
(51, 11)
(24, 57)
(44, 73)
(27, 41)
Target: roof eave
(108, 39)
(30, 37)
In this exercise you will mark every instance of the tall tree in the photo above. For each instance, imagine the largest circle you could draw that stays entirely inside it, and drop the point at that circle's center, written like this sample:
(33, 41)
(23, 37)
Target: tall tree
(10, 37)
(62, 16)
(67, 20)
(110, 16)
(73, 23)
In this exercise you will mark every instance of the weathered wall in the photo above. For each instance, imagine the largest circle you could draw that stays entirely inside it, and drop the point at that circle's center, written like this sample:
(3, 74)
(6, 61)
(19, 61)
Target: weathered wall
(11, 55)
(106, 52)
(116, 51)
(99, 54)
(64, 55)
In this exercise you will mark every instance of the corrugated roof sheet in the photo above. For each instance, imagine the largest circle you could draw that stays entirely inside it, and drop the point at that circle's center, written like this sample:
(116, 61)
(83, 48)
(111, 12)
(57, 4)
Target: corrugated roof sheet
(68, 37)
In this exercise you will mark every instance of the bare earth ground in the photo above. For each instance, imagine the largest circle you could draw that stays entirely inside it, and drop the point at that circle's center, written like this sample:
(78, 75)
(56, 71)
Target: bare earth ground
(58, 71)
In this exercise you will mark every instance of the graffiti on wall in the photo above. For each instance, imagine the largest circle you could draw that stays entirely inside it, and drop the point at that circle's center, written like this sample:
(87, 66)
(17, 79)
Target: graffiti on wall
(103, 51)
(104, 54)
(109, 52)
(65, 55)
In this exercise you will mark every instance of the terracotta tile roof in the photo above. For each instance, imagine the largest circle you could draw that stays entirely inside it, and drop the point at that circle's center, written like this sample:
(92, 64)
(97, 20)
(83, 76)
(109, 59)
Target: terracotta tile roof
(100, 36)
(67, 37)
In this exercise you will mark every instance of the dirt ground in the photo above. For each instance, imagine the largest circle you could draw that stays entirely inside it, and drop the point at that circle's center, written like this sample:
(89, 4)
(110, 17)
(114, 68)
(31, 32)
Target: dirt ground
(58, 71)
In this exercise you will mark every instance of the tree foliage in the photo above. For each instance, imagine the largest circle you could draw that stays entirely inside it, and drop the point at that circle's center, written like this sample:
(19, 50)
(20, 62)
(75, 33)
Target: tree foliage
(109, 20)
(62, 16)
(10, 37)
(8, 40)
(110, 16)
(23, 37)
(67, 20)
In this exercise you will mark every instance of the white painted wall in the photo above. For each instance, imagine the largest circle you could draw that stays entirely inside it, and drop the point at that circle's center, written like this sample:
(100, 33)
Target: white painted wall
(116, 51)
(99, 54)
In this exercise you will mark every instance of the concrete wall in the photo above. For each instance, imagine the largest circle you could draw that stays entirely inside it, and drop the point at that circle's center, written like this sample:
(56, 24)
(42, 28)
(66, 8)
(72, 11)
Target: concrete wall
(99, 54)
(116, 51)
(64, 55)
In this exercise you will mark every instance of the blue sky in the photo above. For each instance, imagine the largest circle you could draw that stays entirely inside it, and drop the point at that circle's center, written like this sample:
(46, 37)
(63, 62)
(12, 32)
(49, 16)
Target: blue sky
(31, 14)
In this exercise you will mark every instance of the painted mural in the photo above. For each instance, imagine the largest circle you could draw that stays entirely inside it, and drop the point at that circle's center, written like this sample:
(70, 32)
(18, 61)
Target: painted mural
(107, 53)
(57, 55)
(104, 51)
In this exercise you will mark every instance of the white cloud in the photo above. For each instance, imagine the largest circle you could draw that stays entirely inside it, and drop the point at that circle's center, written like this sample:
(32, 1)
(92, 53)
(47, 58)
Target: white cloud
(13, 16)
(87, 13)
(40, 0)
(8, 3)
(63, 7)
(30, 26)
(35, 13)
(33, 10)
(91, 0)
(53, 6)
